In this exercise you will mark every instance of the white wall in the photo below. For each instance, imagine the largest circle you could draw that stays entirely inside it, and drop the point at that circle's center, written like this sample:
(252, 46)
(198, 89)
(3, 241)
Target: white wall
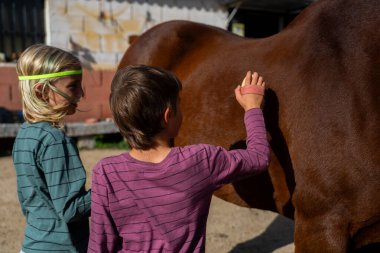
(98, 30)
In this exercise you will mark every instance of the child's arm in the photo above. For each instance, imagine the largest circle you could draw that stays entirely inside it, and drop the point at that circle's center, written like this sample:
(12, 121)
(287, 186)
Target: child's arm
(103, 235)
(66, 178)
(227, 166)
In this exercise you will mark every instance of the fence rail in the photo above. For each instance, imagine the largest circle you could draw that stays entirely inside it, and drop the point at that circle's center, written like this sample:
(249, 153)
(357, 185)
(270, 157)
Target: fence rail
(75, 129)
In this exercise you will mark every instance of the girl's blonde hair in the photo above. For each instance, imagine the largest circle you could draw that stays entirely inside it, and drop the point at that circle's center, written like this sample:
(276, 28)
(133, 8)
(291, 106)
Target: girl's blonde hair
(37, 60)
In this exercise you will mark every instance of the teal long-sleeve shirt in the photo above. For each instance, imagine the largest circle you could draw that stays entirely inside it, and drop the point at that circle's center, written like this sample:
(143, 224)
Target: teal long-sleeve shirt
(51, 190)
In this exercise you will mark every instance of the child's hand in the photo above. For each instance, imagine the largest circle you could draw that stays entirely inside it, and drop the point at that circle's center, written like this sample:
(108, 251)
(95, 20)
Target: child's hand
(251, 92)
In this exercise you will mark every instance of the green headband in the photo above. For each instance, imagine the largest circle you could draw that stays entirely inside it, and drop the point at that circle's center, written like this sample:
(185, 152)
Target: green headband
(57, 74)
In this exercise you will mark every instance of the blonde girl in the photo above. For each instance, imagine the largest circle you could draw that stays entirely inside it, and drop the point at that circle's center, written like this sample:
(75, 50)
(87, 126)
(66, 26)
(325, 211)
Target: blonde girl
(50, 175)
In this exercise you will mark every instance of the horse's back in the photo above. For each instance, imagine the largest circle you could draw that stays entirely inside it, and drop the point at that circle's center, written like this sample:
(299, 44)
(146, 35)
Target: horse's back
(166, 44)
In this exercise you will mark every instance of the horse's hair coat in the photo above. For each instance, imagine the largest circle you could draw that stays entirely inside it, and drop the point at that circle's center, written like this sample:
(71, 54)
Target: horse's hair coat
(321, 110)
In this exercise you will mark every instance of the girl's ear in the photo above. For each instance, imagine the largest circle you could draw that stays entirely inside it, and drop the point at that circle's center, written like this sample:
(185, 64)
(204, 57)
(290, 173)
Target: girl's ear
(167, 114)
(38, 90)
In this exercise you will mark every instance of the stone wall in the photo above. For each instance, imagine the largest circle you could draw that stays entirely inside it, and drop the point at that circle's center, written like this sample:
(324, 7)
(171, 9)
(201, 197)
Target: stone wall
(98, 31)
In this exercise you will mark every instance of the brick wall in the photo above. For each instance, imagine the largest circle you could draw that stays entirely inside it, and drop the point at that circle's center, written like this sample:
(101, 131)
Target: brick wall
(96, 85)
(9, 95)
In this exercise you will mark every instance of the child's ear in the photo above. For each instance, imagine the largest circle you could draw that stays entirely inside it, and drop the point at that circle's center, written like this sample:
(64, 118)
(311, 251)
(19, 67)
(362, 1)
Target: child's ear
(167, 114)
(38, 90)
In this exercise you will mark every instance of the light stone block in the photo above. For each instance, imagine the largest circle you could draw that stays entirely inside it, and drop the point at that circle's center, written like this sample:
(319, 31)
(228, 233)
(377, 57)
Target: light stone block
(148, 15)
(88, 8)
(66, 24)
(201, 16)
(130, 26)
(61, 39)
(172, 12)
(118, 10)
(57, 7)
(114, 43)
(105, 60)
(89, 41)
(219, 19)
(94, 25)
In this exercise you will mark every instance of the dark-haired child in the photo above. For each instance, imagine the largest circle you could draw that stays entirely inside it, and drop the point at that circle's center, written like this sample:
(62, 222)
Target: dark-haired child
(156, 198)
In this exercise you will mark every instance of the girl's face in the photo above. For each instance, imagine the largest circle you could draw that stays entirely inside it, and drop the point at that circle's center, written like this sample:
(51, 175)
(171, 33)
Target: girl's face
(72, 87)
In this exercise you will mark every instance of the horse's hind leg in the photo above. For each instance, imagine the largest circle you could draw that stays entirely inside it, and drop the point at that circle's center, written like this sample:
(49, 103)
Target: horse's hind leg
(327, 234)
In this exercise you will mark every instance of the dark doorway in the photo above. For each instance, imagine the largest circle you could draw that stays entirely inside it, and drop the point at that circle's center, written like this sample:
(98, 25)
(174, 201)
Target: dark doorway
(259, 24)
(21, 25)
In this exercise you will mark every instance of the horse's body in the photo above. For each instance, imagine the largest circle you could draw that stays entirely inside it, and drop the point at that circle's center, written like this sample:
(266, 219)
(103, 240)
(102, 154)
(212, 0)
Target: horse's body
(321, 109)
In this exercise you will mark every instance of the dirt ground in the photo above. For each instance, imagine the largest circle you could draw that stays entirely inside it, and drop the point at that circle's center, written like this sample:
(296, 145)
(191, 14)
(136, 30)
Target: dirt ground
(230, 228)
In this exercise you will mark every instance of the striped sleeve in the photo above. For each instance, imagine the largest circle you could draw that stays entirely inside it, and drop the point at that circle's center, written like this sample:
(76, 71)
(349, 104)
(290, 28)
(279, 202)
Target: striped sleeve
(103, 234)
(66, 178)
(227, 166)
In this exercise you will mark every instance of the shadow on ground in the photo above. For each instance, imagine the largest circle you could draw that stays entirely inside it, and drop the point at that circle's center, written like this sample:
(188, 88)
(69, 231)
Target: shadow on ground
(278, 234)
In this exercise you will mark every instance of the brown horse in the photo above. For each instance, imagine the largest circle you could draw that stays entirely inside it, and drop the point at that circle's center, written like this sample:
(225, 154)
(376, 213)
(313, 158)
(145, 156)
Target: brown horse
(321, 109)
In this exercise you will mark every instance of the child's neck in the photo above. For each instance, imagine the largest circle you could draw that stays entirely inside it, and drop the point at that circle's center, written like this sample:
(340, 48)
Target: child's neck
(153, 155)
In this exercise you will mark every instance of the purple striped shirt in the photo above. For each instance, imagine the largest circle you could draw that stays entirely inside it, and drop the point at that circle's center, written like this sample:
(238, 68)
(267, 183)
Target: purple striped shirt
(163, 207)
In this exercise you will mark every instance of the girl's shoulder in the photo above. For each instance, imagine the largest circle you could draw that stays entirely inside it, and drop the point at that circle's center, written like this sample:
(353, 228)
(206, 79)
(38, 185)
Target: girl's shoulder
(43, 131)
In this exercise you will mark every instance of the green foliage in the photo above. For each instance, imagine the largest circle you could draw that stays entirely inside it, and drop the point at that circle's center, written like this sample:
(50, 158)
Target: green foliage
(114, 141)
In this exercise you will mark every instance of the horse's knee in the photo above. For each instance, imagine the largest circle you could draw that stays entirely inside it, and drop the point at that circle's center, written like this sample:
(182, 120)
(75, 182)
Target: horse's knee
(322, 234)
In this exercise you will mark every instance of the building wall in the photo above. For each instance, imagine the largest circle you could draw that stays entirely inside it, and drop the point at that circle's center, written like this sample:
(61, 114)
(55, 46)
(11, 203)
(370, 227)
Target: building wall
(9, 94)
(98, 31)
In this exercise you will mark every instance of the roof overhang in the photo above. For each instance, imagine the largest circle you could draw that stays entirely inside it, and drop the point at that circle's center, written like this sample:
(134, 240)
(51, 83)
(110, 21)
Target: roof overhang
(279, 6)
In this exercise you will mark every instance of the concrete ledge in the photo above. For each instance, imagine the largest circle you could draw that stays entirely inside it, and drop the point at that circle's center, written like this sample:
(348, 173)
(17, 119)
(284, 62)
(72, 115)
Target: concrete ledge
(9, 130)
(85, 129)
(72, 129)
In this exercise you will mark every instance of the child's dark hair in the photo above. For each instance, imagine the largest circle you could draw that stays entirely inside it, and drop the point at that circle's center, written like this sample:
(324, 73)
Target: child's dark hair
(139, 97)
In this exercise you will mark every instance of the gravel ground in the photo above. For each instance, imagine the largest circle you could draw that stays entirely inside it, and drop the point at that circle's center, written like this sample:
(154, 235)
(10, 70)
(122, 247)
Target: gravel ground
(230, 228)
